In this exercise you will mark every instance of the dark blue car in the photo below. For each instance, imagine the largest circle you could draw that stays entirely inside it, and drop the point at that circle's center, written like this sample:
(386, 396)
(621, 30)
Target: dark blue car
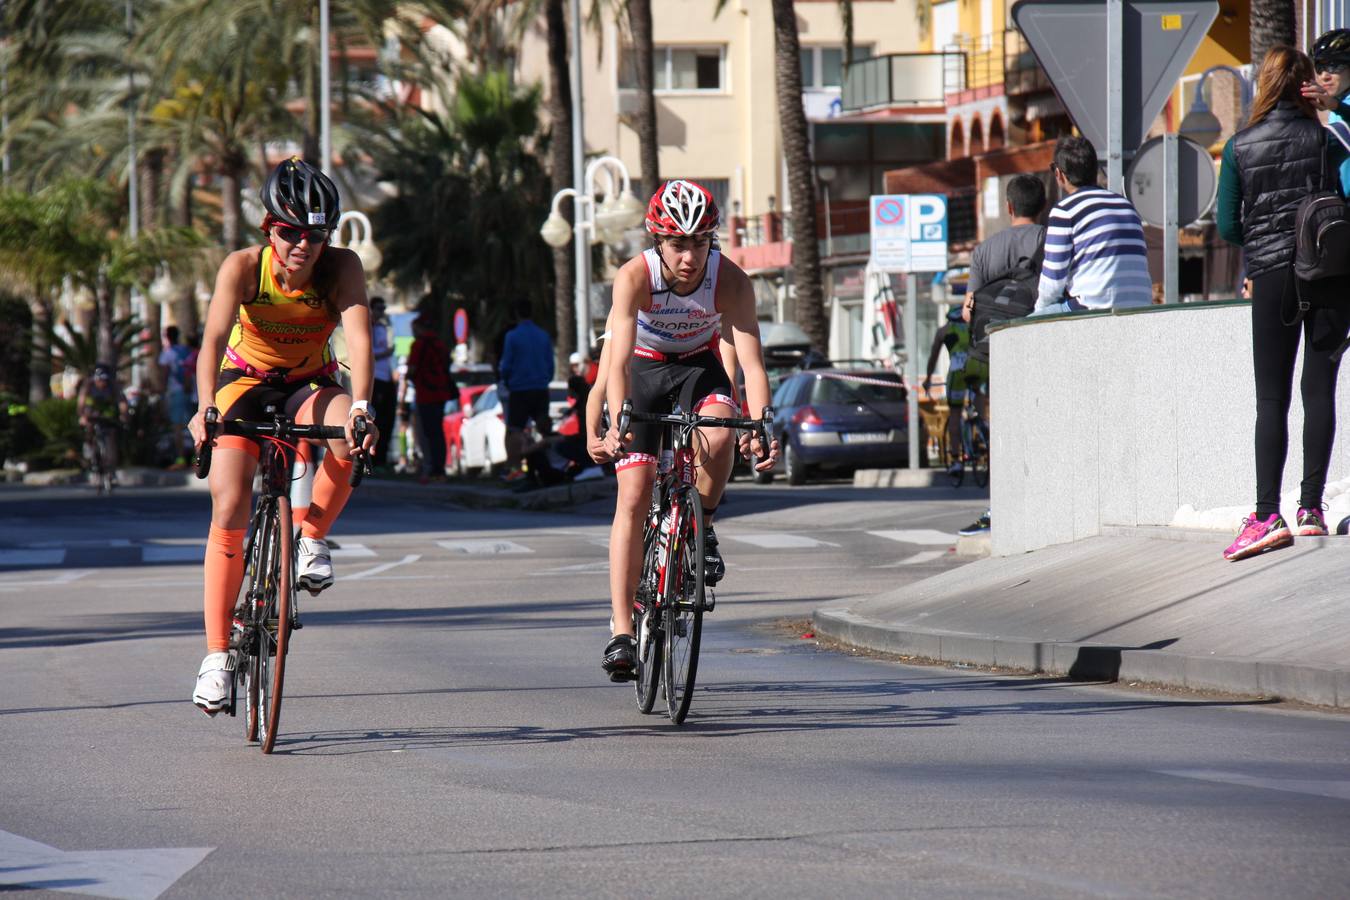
(839, 420)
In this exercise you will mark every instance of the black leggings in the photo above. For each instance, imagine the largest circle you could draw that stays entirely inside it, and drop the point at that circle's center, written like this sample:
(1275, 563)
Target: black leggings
(1274, 349)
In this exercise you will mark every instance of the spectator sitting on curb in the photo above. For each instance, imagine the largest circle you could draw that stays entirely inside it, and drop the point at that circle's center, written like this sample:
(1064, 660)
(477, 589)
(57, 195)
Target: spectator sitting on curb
(1095, 257)
(1267, 168)
(526, 368)
(990, 261)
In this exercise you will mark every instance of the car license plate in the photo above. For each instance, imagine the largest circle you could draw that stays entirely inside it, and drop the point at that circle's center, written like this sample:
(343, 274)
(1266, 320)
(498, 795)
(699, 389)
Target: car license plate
(866, 437)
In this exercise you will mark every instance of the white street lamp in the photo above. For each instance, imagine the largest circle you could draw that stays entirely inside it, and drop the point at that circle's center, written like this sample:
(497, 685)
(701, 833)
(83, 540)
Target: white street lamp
(618, 212)
(361, 243)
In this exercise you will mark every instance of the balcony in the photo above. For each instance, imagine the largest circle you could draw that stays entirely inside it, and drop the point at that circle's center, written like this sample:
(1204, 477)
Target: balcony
(903, 80)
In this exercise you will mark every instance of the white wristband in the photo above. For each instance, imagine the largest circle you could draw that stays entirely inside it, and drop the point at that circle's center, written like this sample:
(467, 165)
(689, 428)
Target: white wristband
(362, 407)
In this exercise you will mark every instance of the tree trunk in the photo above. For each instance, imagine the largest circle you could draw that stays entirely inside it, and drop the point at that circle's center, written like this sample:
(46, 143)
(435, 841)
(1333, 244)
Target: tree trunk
(560, 168)
(801, 184)
(640, 15)
(1272, 23)
(153, 213)
(40, 359)
(231, 207)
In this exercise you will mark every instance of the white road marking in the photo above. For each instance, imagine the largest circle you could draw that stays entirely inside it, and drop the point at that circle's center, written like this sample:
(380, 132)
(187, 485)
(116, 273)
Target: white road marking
(915, 560)
(173, 553)
(383, 567)
(129, 874)
(66, 577)
(25, 557)
(923, 536)
(352, 551)
(1337, 789)
(484, 547)
(779, 541)
(601, 565)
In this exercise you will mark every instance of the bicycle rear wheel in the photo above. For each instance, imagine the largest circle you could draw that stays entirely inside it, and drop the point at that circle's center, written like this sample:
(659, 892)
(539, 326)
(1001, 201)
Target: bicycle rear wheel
(683, 601)
(980, 454)
(647, 625)
(275, 631)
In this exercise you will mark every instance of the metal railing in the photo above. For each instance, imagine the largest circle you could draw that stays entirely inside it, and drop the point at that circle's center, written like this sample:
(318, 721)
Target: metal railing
(903, 79)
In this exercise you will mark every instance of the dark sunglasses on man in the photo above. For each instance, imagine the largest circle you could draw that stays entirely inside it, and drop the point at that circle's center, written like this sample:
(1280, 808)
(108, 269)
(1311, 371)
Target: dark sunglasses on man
(1330, 68)
(295, 235)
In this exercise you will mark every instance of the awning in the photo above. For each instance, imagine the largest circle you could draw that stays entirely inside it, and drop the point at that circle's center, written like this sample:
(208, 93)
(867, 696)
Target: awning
(1044, 108)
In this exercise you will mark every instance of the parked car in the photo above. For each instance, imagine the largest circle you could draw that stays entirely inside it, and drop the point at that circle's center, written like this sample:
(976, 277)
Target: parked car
(482, 434)
(838, 419)
(453, 423)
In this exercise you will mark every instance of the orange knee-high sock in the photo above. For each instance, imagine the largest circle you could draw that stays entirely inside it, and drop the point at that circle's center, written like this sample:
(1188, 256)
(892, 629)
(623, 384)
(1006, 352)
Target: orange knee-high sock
(305, 454)
(332, 487)
(224, 574)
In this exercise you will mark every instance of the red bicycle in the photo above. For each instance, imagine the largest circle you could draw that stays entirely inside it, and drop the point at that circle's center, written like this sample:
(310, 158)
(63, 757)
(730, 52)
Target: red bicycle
(672, 593)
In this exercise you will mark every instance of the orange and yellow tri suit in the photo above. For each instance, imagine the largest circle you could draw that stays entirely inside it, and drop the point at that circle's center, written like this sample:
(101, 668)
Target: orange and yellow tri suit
(278, 353)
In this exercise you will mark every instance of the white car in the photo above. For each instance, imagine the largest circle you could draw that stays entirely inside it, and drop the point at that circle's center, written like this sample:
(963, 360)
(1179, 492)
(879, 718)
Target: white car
(483, 434)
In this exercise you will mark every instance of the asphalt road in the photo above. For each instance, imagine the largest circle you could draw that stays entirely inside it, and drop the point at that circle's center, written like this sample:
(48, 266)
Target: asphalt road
(447, 730)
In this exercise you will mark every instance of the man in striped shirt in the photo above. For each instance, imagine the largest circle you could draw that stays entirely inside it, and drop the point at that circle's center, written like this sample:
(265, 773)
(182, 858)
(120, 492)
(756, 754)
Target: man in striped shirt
(1095, 256)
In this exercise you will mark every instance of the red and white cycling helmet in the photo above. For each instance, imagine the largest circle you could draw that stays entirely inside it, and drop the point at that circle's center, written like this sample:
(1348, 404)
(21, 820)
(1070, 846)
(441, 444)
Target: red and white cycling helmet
(682, 208)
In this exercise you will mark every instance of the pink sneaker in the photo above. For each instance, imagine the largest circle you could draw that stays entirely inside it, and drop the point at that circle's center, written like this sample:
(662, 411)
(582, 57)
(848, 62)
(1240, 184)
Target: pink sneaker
(1258, 536)
(1311, 523)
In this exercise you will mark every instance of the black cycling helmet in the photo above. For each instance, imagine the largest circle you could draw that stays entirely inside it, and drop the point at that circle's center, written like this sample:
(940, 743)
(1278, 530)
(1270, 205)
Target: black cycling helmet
(103, 370)
(299, 195)
(1332, 47)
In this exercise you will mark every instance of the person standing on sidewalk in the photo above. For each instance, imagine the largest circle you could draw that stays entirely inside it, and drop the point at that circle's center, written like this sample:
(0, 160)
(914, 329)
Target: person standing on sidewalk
(1095, 257)
(385, 393)
(1267, 168)
(526, 368)
(429, 372)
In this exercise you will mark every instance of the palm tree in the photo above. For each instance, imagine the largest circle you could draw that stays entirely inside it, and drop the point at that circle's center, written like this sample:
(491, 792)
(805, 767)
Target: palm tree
(470, 196)
(560, 161)
(1272, 23)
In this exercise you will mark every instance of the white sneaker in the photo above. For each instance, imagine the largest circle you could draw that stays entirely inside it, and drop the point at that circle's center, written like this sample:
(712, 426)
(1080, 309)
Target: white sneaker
(212, 692)
(314, 567)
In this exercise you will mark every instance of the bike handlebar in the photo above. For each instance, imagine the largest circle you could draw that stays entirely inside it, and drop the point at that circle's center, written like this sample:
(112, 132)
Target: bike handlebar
(760, 426)
(281, 429)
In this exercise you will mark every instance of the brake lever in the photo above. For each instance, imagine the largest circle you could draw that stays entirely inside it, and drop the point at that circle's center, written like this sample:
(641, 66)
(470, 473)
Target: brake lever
(625, 419)
(361, 464)
(210, 420)
(765, 432)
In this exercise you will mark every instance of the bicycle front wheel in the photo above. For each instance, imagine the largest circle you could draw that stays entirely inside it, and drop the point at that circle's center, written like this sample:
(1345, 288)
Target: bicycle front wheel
(260, 546)
(682, 599)
(275, 631)
(647, 625)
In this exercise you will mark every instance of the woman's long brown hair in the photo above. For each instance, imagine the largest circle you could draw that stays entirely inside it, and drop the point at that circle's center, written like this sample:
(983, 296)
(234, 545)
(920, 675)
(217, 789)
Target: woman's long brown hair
(1281, 77)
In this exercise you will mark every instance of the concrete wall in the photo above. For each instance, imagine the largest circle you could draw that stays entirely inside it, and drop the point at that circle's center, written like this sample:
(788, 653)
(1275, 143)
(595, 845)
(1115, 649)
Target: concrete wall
(1120, 420)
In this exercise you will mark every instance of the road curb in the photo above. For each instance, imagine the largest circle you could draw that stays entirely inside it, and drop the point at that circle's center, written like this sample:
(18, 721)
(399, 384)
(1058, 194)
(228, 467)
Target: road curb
(1319, 685)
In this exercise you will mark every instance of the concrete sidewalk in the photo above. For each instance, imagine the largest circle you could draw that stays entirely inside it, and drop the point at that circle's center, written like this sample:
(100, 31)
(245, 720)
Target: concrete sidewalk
(1152, 605)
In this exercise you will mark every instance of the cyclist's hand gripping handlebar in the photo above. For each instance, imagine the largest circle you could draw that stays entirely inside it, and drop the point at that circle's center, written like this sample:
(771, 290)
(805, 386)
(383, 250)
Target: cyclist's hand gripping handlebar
(625, 419)
(360, 458)
(764, 431)
(210, 420)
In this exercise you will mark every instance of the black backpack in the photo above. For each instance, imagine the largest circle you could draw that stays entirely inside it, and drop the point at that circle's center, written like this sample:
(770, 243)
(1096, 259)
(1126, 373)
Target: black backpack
(1321, 248)
(1011, 295)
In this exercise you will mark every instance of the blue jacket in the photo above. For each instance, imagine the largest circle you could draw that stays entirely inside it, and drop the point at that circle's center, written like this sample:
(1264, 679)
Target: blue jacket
(527, 358)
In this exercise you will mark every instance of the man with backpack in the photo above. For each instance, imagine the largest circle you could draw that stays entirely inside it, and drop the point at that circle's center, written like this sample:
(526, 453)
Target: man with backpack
(1003, 277)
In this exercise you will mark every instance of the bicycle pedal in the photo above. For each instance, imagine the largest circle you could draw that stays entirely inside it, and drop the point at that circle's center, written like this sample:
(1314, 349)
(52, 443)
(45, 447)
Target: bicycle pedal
(709, 600)
(297, 625)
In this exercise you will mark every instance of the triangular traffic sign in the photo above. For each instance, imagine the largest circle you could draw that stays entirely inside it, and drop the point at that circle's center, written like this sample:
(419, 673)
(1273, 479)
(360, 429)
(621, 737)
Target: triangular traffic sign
(1159, 38)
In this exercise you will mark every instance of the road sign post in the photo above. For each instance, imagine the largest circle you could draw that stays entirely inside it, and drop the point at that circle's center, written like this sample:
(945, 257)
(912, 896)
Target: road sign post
(909, 235)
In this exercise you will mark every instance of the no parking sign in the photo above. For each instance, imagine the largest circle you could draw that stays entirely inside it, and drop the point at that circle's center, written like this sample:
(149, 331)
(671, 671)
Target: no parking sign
(909, 232)
(461, 326)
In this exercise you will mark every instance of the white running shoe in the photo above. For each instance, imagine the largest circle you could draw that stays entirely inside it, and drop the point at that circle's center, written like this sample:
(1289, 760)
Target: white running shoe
(212, 693)
(314, 566)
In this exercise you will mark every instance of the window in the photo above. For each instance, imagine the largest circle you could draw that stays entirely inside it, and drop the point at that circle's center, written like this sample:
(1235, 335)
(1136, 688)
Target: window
(837, 390)
(862, 153)
(823, 67)
(679, 69)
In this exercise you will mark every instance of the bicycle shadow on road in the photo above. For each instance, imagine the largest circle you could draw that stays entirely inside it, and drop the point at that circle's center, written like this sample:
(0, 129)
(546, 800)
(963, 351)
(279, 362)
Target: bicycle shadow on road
(741, 709)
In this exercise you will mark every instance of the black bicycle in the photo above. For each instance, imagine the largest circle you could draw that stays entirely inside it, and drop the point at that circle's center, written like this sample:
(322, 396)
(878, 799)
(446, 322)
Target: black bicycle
(101, 441)
(268, 611)
(672, 593)
(974, 443)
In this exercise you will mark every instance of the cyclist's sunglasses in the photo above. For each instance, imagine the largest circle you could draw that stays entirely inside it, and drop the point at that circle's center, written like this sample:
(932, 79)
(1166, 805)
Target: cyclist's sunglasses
(1331, 68)
(296, 235)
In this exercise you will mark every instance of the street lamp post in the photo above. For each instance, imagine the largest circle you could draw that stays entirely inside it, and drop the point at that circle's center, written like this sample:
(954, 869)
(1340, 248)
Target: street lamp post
(606, 223)
(1200, 124)
(325, 94)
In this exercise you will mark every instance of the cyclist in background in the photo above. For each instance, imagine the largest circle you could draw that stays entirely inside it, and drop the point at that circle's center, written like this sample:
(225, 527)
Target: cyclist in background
(955, 336)
(670, 304)
(266, 344)
(101, 407)
(1331, 64)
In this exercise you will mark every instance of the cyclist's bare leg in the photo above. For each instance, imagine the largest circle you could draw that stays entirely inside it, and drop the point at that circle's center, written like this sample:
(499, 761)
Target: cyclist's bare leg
(716, 456)
(332, 485)
(231, 483)
(625, 541)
